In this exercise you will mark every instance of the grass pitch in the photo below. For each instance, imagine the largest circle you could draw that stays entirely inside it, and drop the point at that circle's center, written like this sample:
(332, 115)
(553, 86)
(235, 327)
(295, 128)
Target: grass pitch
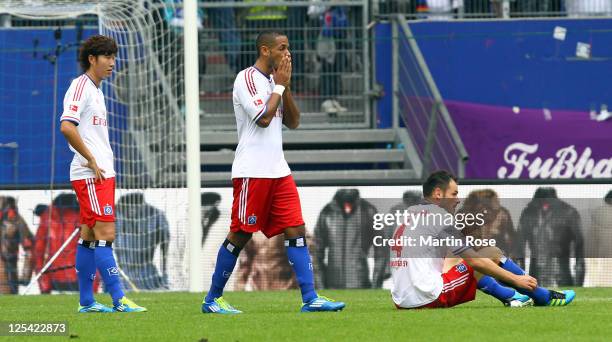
(274, 316)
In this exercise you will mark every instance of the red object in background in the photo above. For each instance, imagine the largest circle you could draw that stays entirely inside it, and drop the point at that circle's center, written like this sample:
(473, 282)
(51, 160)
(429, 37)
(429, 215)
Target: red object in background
(49, 238)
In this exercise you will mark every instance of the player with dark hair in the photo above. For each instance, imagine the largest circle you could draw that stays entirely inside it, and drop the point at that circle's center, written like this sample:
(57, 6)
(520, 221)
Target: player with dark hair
(84, 123)
(418, 278)
(265, 194)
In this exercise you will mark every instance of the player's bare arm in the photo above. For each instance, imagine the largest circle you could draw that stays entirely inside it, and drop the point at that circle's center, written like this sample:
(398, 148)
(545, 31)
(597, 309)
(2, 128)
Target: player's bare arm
(69, 130)
(282, 75)
(486, 266)
(291, 112)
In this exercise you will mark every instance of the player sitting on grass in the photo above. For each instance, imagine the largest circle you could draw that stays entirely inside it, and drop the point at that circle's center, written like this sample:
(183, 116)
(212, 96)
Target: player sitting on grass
(265, 195)
(418, 278)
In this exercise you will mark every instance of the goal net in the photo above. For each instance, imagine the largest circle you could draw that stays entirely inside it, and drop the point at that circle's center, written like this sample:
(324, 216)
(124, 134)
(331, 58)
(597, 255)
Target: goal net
(145, 102)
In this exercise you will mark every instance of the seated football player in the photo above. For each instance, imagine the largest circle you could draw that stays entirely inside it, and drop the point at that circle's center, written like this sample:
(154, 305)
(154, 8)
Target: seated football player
(419, 280)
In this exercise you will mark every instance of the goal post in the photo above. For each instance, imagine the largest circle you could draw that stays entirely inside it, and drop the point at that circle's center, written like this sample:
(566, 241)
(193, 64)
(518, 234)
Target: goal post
(152, 102)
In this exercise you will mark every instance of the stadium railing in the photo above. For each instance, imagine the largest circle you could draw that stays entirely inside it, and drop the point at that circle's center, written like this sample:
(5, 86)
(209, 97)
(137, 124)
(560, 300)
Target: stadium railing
(417, 103)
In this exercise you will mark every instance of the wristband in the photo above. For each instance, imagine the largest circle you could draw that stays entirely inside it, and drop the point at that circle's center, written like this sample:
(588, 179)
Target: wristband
(279, 89)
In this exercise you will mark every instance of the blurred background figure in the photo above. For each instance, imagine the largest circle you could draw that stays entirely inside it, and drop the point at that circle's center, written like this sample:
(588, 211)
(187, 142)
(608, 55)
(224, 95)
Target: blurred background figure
(223, 21)
(443, 9)
(256, 19)
(331, 46)
(497, 220)
(210, 212)
(57, 222)
(14, 232)
(142, 230)
(343, 237)
(263, 265)
(409, 198)
(599, 245)
(551, 229)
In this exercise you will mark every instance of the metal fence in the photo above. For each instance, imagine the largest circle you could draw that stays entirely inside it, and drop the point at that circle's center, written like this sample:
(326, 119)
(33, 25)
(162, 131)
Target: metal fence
(418, 104)
(466, 9)
(328, 47)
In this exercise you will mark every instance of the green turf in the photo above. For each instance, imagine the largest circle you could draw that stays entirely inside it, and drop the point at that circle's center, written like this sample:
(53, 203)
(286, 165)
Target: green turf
(274, 316)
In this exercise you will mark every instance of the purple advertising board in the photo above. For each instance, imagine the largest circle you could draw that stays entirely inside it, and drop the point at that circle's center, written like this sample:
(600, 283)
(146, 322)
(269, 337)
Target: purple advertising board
(511, 143)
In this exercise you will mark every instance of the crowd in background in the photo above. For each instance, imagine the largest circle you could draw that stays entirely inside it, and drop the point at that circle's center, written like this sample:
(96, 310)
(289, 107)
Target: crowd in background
(550, 239)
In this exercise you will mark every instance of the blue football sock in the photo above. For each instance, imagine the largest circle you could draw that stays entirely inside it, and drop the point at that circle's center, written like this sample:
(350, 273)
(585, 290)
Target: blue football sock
(540, 295)
(491, 287)
(105, 261)
(226, 261)
(299, 258)
(86, 271)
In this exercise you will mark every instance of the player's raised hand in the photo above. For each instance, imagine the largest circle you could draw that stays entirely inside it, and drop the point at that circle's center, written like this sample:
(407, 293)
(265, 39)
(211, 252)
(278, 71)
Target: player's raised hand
(282, 74)
(526, 282)
(289, 65)
(290, 69)
(99, 173)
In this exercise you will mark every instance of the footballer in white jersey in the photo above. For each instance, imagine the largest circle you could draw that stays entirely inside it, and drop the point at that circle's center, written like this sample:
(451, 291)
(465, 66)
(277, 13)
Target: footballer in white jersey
(84, 124)
(265, 195)
(260, 150)
(417, 270)
(84, 106)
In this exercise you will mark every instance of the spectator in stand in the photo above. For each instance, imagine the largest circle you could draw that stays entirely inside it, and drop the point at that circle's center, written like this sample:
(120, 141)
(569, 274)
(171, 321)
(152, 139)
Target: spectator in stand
(14, 232)
(331, 50)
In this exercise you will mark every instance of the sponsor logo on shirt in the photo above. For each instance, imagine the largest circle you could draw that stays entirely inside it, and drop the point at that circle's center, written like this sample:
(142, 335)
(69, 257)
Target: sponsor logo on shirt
(98, 121)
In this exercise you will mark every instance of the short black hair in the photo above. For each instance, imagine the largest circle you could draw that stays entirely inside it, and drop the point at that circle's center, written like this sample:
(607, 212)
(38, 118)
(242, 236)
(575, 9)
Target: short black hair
(545, 192)
(97, 45)
(267, 38)
(437, 179)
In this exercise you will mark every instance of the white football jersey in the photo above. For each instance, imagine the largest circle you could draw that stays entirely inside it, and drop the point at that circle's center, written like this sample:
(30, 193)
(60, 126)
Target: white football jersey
(84, 106)
(417, 270)
(260, 150)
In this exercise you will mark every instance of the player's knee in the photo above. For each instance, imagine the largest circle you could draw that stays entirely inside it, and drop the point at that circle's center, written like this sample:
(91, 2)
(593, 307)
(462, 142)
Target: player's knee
(87, 234)
(240, 238)
(295, 232)
(105, 231)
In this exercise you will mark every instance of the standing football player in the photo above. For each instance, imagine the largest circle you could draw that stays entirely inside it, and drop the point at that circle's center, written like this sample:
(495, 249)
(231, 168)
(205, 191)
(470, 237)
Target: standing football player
(265, 194)
(84, 123)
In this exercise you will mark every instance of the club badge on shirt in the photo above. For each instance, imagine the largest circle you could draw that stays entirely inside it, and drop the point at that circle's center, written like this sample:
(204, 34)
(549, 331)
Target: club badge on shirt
(461, 268)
